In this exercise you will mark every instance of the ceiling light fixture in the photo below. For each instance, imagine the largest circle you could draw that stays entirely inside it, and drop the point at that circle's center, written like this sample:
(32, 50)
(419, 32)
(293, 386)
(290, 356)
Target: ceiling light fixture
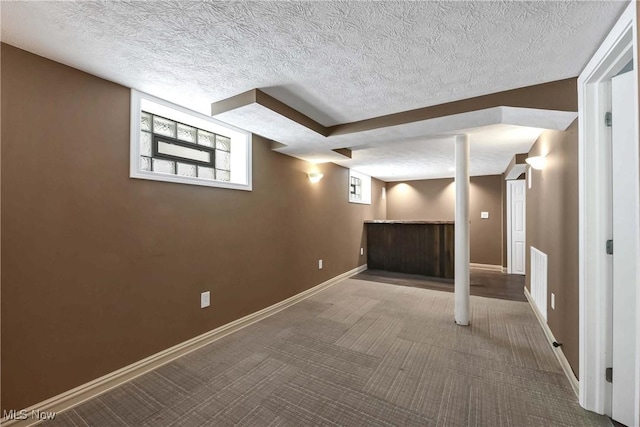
(315, 177)
(536, 162)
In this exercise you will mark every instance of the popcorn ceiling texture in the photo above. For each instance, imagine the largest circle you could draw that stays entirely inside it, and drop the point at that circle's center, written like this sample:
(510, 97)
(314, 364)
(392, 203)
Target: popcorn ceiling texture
(334, 61)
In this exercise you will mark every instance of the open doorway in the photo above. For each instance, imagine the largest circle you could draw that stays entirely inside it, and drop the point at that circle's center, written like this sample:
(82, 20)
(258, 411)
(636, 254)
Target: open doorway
(609, 226)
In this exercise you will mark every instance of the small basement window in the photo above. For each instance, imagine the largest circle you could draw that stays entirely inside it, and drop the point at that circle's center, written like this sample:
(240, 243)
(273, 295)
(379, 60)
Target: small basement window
(359, 187)
(171, 143)
(355, 188)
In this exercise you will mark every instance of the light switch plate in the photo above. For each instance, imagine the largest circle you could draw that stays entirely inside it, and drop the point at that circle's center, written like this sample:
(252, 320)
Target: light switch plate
(484, 215)
(205, 299)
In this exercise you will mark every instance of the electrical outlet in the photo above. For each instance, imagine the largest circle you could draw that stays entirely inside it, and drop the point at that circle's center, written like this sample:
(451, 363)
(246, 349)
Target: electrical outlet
(361, 251)
(205, 299)
(553, 301)
(484, 215)
(319, 264)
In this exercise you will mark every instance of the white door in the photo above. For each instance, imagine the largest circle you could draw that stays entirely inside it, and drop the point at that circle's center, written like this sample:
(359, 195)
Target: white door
(516, 239)
(625, 248)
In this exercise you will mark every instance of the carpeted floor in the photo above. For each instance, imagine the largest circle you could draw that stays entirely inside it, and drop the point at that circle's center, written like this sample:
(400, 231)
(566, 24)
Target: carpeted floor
(358, 354)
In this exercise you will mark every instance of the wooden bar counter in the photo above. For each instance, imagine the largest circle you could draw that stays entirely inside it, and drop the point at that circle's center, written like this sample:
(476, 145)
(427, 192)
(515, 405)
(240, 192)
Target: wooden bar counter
(414, 247)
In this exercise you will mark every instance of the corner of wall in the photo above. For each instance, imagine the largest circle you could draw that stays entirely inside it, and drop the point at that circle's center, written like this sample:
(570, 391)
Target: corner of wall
(504, 220)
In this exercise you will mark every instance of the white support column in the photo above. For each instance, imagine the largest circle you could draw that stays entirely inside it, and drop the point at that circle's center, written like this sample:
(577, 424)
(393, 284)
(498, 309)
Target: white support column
(462, 231)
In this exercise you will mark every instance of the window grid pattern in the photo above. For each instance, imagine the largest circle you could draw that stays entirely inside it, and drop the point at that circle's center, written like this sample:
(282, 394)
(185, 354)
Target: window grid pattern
(355, 188)
(154, 128)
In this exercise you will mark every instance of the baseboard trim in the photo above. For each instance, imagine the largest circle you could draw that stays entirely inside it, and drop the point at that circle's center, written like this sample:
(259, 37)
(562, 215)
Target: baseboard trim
(80, 394)
(575, 384)
(488, 267)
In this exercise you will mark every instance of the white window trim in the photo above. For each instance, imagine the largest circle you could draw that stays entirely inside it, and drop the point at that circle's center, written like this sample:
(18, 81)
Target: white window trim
(366, 188)
(240, 138)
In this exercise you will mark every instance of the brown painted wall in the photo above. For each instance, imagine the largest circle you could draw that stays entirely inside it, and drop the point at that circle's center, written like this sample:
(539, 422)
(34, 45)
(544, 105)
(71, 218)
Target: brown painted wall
(100, 270)
(434, 199)
(552, 227)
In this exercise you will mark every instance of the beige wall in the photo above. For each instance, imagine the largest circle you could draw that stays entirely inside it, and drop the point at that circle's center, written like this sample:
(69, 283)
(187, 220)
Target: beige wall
(434, 199)
(552, 227)
(100, 270)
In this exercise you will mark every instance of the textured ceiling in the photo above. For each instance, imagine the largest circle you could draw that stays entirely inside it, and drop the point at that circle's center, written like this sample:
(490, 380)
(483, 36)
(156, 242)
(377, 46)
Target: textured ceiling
(334, 61)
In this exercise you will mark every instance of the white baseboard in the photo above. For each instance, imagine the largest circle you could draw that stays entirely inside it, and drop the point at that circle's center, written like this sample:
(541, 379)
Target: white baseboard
(488, 267)
(575, 384)
(105, 383)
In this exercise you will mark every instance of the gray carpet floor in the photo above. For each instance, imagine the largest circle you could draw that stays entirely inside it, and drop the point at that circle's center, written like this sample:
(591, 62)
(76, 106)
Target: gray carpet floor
(358, 354)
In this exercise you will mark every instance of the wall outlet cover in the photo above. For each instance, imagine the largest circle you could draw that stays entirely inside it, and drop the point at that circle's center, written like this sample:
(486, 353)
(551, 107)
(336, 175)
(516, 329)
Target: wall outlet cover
(205, 299)
(361, 251)
(553, 301)
(484, 215)
(319, 264)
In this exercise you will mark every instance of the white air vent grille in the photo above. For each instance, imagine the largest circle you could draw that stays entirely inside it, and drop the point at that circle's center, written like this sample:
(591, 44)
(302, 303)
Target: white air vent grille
(539, 280)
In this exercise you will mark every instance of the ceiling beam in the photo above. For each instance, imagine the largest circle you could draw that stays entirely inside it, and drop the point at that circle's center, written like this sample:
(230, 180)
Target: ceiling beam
(561, 95)
(516, 167)
(343, 152)
(256, 96)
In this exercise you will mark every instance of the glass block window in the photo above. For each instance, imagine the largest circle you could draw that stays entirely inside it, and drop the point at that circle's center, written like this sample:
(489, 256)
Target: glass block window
(355, 188)
(359, 188)
(171, 143)
(171, 147)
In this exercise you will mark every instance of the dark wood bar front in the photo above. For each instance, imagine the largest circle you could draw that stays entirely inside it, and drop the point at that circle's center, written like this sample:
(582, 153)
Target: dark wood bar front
(414, 247)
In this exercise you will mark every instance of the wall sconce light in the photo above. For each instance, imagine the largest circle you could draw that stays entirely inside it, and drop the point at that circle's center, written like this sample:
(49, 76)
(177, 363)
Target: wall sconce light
(315, 177)
(536, 162)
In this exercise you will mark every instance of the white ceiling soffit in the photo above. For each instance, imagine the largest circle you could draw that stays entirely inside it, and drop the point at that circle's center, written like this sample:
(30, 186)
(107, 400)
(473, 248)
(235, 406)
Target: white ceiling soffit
(491, 149)
(516, 171)
(299, 139)
(336, 62)
(306, 144)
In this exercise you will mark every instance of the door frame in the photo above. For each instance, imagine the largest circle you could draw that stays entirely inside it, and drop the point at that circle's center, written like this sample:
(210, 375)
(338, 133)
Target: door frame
(509, 219)
(595, 298)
